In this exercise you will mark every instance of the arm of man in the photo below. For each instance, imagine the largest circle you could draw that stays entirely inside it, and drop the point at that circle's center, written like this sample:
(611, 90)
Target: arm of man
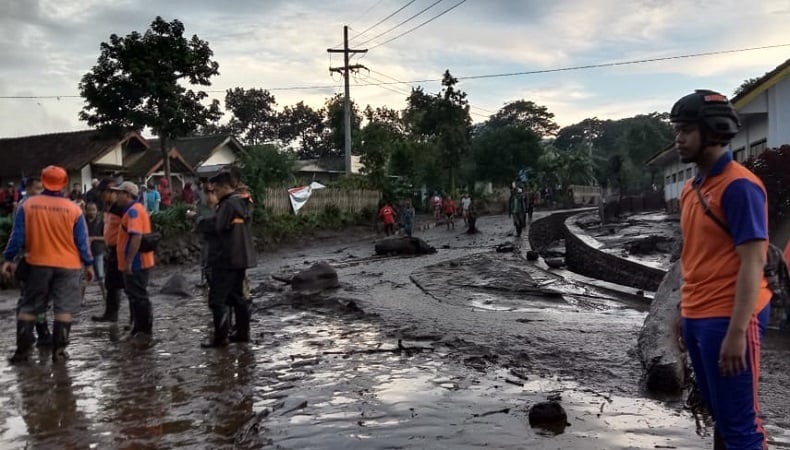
(83, 246)
(134, 247)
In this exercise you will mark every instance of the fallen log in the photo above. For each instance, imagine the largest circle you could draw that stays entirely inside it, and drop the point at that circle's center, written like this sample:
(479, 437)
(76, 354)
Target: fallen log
(403, 246)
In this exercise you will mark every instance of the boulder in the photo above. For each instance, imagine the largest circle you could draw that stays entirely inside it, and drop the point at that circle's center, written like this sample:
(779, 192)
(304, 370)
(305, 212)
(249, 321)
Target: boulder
(532, 255)
(177, 285)
(555, 263)
(549, 416)
(403, 246)
(318, 277)
(663, 363)
(506, 247)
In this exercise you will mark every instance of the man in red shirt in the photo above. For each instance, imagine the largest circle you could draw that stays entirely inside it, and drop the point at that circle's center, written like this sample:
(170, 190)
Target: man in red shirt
(387, 215)
(133, 263)
(449, 211)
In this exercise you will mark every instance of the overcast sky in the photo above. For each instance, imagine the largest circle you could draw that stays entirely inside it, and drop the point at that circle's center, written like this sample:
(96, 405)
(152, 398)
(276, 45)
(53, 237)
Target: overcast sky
(47, 45)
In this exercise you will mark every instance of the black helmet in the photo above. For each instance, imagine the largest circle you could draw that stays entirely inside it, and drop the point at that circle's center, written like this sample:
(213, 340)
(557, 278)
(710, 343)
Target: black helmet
(710, 109)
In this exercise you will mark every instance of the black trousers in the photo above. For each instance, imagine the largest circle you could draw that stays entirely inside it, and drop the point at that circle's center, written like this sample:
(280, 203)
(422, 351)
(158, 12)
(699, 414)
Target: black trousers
(136, 287)
(225, 288)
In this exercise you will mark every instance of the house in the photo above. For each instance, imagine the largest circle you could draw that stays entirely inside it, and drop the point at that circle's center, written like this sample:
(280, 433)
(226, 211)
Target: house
(206, 155)
(764, 109)
(325, 170)
(84, 154)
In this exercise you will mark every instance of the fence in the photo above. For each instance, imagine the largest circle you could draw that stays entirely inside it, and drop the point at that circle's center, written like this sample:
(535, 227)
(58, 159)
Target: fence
(277, 202)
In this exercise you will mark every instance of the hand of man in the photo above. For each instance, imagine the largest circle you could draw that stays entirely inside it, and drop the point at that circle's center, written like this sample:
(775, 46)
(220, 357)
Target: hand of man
(90, 275)
(732, 357)
(8, 269)
(679, 334)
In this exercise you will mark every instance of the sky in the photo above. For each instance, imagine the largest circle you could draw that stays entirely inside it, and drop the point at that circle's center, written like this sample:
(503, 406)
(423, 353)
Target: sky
(46, 46)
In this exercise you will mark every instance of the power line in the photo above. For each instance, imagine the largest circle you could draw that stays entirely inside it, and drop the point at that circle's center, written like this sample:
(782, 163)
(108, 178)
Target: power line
(420, 25)
(473, 77)
(405, 21)
(382, 20)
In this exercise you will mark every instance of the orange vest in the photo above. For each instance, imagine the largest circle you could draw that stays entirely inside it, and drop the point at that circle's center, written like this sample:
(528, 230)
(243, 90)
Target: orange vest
(49, 232)
(134, 221)
(709, 263)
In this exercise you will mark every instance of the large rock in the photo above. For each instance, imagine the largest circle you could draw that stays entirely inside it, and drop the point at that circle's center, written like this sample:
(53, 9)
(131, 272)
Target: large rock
(403, 246)
(318, 277)
(549, 416)
(177, 285)
(662, 360)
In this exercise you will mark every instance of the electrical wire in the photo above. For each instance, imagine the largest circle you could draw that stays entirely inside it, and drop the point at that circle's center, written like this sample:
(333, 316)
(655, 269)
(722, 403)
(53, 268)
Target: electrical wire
(402, 23)
(382, 20)
(473, 77)
(420, 25)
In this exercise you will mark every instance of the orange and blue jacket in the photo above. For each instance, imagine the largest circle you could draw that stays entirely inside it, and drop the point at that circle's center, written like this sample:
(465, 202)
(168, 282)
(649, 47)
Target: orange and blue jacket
(135, 220)
(51, 231)
(709, 262)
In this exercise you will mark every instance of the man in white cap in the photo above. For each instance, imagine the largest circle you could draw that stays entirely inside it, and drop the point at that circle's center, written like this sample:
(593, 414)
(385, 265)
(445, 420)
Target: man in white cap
(134, 263)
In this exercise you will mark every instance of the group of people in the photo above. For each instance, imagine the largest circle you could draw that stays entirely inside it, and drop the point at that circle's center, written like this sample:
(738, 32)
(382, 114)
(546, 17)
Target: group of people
(55, 245)
(404, 214)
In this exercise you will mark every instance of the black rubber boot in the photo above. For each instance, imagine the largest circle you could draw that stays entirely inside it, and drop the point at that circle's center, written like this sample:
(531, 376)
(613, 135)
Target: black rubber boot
(221, 329)
(24, 340)
(143, 318)
(60, 339)
(111, 305)
(241, 332)
(42, 331)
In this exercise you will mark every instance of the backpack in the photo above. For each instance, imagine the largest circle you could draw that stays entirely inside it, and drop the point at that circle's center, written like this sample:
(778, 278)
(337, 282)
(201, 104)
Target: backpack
(775, 270)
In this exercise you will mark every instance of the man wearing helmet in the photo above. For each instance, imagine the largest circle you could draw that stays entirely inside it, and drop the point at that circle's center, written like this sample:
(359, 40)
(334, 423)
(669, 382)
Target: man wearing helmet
(725, 298)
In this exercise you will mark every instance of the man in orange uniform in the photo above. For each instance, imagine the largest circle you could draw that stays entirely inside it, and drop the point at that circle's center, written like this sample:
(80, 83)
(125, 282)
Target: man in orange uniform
(134, 264)
(52, 231)
(725, 296)
(113, 278)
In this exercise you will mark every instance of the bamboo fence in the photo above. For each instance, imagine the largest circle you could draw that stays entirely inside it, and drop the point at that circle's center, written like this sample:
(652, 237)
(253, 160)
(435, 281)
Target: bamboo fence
(277, 202)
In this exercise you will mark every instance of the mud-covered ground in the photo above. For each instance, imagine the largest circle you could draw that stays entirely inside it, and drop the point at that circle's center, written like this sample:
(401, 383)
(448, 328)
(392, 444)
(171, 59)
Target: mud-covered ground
(439, 351)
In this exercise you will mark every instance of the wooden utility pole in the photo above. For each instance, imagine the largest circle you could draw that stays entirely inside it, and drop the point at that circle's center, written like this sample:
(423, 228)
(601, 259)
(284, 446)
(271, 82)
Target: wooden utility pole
(344, 71)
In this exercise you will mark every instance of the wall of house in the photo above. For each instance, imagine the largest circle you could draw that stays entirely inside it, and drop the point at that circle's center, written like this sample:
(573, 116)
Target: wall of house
(113, 158)
(751, 140)
(223, 156)
(779, 105)
(86, 177)
(675, 176)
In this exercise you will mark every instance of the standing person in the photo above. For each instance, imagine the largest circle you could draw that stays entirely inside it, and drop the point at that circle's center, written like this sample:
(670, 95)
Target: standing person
(725, 297)
(96, 237)
(530, 205)
(52, 232)
(448, 206)
(76, 192)
(93, 195)
(407, 216)
(231, 253)
(387, 214)
(133, 263)
(165, 194)
(188, 195)
(8, 199)
(517, 208)
(466, 202)
(436, 205)
(113, 279)
(152, 199)
(32, 187)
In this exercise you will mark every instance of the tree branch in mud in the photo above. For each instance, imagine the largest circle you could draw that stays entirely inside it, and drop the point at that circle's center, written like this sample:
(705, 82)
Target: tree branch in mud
(398, 350)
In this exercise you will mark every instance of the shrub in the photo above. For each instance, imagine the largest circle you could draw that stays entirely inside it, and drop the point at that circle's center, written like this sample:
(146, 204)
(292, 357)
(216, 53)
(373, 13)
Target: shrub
(172, 221)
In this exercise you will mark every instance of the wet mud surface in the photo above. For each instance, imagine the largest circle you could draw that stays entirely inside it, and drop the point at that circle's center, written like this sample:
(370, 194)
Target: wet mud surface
(440, 351)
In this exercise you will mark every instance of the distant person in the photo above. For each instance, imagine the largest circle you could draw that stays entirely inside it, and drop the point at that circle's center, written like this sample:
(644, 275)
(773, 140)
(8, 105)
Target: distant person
(165, 194)
(9, 197)
(152, 199)
(449, 209)
(76, 192)
(531, 200)
(725, 299)
(93, 195)
(188, 195)
(51, 231)
(387, 214)
(436, 206)
(132, 262)
(95, 225)
(517, 209)
(407, 217)
(466, 203)
(231, 253)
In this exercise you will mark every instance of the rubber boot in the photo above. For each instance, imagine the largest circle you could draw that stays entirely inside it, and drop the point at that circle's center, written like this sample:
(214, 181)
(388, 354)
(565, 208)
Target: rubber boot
(42, 331)
(241, 332)
(221, 329)
(24, 340)
(60, 339)
(112, 303)
(143, 318)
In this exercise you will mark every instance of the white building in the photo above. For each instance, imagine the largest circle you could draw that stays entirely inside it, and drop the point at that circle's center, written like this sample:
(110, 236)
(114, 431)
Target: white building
(764, 109)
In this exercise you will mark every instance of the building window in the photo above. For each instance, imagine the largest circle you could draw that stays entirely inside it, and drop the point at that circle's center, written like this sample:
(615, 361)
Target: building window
(739, 154)
(674, 178)
(688, 173)
(668, 180)
(757, 147)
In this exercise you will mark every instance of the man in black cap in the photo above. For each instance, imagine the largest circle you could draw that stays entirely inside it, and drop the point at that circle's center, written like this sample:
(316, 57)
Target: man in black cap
(113, 279)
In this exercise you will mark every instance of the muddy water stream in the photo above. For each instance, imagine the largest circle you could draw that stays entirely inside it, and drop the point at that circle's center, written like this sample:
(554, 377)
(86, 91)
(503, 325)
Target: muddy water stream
(442, 351)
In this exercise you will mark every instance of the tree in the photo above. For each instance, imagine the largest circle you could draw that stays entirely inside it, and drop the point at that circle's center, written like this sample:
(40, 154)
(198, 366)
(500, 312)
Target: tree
(746, 85)
(377, 143)
(335, 122)
(264, 166)
(141, 81)
(528, 115)
(254, 120)
(500, 152)
(306, 125)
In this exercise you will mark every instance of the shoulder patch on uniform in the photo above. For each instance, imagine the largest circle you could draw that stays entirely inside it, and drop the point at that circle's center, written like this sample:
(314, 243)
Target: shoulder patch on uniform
(133, 214)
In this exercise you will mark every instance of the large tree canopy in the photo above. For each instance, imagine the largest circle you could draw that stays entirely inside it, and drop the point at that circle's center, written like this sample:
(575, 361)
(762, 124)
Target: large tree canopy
(306, 125)
(254, 119)
(525, 114)
(141, 81)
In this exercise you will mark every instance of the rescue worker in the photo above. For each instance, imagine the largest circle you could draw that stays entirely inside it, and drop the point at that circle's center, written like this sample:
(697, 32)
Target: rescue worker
(113, 278)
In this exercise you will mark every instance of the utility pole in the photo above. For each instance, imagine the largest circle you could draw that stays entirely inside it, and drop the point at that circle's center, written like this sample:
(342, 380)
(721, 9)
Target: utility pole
(344, 71)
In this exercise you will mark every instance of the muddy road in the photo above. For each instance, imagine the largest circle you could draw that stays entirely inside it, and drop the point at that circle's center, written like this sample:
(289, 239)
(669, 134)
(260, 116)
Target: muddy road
(440, 351)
